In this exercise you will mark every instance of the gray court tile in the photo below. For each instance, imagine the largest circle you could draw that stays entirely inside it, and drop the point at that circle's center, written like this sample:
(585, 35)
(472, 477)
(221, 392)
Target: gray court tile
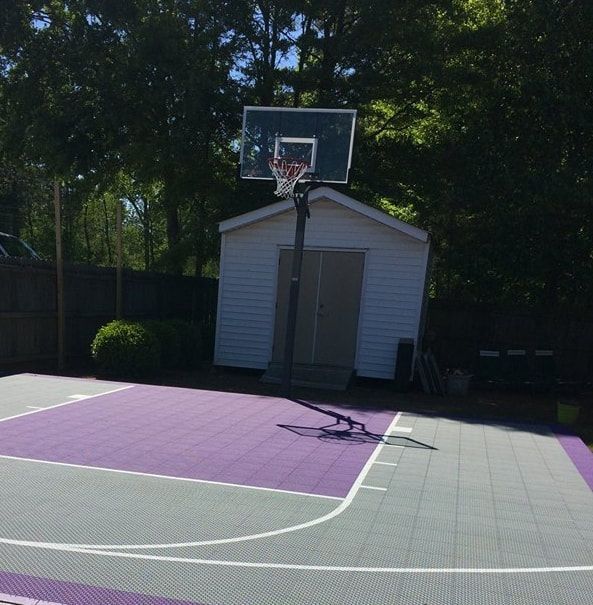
(64, 504)
(20, 391)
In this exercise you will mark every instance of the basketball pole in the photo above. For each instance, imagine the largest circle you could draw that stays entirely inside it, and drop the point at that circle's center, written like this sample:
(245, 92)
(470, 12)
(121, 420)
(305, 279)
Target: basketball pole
(301, 202)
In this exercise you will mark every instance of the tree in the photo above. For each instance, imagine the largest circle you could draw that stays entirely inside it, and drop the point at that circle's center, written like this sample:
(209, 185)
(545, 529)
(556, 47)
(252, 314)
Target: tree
(474, 122)
(264, 31)
(95, 88)
(488, 144)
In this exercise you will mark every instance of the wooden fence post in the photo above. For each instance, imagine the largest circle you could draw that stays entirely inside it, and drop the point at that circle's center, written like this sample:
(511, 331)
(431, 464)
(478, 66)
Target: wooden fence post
(119, 266)
(59, 274)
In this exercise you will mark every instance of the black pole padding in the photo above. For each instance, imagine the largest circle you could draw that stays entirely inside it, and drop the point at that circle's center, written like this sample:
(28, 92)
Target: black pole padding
(302, 208)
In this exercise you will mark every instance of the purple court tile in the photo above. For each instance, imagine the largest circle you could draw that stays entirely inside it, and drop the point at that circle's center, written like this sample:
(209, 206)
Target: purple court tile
(225, 437)
(39, 591)
(579, 453)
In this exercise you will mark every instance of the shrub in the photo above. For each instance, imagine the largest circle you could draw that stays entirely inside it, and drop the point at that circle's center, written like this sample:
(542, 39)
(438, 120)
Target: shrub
(126, 348)
(190, 343)
(169, 340)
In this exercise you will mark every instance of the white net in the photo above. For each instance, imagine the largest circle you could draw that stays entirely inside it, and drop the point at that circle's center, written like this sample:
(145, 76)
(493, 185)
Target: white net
(287, 173)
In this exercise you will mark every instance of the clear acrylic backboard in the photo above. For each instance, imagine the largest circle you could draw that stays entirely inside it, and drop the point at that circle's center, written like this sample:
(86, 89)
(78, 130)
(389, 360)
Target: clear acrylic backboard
(321, 137)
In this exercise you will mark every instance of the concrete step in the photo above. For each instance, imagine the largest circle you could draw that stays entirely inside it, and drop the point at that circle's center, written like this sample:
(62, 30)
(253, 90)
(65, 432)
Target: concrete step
(335, 378)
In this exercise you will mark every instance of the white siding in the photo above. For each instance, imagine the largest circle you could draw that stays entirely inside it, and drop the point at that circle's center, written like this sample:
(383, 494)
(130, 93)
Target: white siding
(395, 266)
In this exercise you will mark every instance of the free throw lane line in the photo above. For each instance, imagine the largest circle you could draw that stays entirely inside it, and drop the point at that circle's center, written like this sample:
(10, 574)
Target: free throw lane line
(59, 405)
(346, 502)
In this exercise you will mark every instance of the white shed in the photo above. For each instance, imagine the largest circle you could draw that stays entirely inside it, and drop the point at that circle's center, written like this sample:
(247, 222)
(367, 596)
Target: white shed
(362, 287)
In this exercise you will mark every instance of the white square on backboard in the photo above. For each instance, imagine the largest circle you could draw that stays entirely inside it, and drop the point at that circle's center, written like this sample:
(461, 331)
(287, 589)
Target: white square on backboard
(305, 142)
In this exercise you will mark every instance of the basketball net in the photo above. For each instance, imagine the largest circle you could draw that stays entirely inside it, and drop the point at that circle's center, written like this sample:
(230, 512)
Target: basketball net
(287, 172)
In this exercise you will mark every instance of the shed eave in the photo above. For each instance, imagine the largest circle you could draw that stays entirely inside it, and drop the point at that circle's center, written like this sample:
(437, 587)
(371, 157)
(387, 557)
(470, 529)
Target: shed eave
(332, 195)
(254, 216)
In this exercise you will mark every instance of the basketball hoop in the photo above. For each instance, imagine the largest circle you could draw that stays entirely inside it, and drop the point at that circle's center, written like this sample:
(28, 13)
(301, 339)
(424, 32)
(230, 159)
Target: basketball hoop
(287, 172)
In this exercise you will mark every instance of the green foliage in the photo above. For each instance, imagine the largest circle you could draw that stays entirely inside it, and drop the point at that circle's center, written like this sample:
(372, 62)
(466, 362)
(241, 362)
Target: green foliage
(169, 340)
(125, 348)
(494, 155)
(403, 213)
(475, 122)
(189, 341)
(134, 102)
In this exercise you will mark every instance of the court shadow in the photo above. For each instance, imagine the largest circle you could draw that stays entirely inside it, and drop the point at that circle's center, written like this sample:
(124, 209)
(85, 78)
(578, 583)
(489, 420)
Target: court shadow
(355, 437)
(346, 429)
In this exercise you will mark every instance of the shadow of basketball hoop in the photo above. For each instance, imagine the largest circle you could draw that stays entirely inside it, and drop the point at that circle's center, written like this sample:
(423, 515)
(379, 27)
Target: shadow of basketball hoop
(348, 430)
(354, 437)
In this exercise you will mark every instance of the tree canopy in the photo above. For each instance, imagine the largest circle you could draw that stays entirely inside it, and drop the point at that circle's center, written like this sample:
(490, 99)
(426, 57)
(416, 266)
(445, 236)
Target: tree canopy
(474, 123)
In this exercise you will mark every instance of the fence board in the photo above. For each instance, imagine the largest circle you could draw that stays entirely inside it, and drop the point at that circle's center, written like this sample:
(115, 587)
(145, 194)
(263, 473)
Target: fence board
(28, 317)
(457, 331)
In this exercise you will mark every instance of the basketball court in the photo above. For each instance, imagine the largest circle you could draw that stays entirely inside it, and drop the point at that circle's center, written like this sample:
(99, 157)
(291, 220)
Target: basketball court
(127, 494)
(134, 494)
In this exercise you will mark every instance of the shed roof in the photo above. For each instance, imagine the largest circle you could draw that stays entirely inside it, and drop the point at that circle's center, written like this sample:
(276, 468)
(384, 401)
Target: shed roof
(332, 195)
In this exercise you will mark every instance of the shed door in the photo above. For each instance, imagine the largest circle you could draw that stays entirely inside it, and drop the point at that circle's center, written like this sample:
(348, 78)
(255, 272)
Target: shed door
(305, 331)
(329, 305)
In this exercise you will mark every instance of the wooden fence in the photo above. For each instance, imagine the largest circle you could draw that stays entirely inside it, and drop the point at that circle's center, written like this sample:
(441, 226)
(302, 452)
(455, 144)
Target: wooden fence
(457, 331)
(28, 326)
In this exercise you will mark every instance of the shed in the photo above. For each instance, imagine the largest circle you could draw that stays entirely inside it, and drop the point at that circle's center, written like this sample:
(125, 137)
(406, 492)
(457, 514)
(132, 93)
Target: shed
(362, 288)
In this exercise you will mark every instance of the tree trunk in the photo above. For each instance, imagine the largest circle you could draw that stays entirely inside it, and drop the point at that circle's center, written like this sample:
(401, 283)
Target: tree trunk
(199, 264)
(303, 54)
(87, 239)
(198, 241)
(143, 214)
(146, 230)
(333, 32)
(106, 231)
(30, 219)
(173, 237)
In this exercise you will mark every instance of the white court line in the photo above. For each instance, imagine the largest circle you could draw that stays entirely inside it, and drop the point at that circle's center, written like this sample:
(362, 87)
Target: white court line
(78, 396)
(380, 489)
(386, 463)
(59, 405)
(402, 429)
(296, 566)
(400, 570)
(268, 534)
(169, 477)
(34, 407)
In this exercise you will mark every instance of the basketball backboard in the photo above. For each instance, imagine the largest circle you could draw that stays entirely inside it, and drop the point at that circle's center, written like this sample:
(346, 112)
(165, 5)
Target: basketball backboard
(321, 137)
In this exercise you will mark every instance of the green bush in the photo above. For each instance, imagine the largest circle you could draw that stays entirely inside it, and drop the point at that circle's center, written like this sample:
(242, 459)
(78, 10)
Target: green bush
(190, 343)
(126, 348)
(168, 337)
